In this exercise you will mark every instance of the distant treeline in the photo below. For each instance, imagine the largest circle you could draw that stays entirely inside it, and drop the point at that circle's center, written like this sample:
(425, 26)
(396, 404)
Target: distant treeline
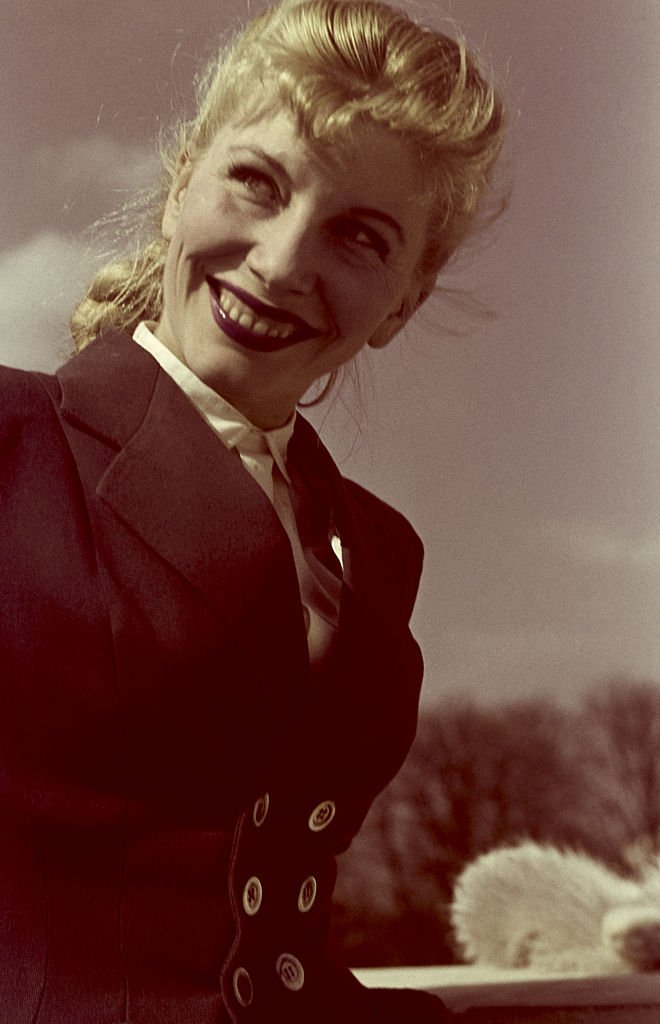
(481, 777)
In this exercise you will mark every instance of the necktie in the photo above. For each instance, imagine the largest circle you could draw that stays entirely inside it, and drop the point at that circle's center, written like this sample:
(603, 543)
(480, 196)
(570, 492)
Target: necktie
(306, 521)
(321, 572)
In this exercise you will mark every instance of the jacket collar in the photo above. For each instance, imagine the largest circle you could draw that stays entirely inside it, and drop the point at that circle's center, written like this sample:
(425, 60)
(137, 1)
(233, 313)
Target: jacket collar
(116, 391)
(107, 387)
(170, 480)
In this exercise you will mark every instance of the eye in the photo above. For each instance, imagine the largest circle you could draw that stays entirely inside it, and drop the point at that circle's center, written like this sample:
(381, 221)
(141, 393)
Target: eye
(260, 186)
(363, 236)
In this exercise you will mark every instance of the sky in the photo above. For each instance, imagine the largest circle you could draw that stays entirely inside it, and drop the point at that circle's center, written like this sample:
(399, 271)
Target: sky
(516, 423)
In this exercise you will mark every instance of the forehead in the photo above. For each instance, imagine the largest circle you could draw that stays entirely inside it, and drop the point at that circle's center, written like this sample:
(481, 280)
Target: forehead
(369, 162)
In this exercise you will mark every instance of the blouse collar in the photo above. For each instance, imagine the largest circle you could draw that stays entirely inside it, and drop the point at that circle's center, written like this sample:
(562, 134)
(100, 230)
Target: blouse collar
(234, 429)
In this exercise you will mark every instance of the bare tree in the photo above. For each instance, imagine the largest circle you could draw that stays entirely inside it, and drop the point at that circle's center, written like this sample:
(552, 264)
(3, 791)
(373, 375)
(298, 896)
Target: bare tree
(621, 724)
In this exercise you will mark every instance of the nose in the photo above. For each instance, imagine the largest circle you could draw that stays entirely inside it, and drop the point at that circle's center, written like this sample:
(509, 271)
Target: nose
(285, 254)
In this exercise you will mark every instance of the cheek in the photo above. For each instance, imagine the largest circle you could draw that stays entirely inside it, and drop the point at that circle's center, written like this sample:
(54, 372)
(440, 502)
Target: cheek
(365, 305)
(211, 226)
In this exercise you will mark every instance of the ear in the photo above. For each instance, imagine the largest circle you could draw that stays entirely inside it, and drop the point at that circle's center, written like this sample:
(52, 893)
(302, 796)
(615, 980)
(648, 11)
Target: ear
(391, 326)
(176, 195)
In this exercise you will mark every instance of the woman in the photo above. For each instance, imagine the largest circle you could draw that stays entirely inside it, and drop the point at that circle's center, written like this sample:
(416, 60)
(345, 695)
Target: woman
(207, 667)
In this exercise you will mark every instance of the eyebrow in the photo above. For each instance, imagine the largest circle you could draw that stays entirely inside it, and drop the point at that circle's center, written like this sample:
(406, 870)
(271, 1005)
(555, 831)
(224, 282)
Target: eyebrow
(354, 211)
(261, 153)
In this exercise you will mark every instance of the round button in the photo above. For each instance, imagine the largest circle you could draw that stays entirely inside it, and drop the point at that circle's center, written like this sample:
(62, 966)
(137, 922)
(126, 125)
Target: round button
(260, 810)
(307, 894)
(252, 895)
(242, 983)
(290, 971)
(322, 815)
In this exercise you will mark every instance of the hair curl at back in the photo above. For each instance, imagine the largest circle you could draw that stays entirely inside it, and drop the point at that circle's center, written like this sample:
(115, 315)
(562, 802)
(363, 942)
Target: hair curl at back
(336, 65)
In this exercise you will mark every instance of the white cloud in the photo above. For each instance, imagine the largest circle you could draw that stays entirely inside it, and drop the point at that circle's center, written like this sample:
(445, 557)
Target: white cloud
(97, 162)
(40, 283)
(42, 278)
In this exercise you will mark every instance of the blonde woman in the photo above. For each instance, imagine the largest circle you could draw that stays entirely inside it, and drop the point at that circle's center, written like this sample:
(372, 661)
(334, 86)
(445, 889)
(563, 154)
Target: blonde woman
(207, 667)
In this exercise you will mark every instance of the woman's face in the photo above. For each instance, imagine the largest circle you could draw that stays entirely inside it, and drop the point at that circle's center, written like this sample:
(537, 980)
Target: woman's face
(284, 262)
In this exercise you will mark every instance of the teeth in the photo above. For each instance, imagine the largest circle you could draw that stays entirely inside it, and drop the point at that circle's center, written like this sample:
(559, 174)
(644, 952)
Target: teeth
(240, 314)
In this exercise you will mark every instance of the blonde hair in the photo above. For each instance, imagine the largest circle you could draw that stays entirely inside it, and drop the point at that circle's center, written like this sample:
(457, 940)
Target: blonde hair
(336, 64)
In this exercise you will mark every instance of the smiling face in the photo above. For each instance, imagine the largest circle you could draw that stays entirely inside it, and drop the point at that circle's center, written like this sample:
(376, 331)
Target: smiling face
(284, 262)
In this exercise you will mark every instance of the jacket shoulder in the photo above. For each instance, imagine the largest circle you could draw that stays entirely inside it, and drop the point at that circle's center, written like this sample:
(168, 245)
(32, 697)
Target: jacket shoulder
(25, 398)
(387, 531)
(385, 522)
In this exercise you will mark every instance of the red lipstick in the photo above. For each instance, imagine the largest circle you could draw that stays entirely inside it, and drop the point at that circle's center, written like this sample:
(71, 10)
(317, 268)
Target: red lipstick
(294, 328)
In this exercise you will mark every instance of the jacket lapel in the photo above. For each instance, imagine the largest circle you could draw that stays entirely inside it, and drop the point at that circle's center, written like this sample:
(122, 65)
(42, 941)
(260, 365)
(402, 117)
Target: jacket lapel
(170, 479)
(362, 556)
(326, 485)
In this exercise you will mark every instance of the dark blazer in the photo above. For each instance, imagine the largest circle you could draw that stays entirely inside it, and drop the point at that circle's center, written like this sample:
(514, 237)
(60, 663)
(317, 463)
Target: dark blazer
(174, 781)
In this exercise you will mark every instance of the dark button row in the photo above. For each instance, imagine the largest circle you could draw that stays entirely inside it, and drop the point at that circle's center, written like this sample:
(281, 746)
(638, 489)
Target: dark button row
(253, 894)
(288, 968)
(319, 819)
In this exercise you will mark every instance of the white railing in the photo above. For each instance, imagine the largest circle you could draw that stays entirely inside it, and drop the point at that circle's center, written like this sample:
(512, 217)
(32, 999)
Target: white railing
(523, 995)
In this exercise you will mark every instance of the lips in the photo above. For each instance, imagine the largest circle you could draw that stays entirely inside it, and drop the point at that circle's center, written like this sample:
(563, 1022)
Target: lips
(254, 324)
